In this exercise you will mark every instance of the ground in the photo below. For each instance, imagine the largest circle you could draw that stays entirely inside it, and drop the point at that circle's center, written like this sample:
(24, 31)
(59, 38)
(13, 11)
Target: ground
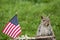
(29, 13)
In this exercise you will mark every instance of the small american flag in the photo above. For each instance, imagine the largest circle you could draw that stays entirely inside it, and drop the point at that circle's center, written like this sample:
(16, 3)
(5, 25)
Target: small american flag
(12, 28)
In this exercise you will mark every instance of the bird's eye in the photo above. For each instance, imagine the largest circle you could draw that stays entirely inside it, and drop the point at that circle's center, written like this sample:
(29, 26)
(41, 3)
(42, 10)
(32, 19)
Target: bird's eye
(43, 20)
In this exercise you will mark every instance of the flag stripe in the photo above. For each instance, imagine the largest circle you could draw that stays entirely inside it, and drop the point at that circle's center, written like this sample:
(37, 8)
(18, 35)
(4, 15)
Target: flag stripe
(10, 29)
(6, 27)
(13, 30)
(17, 33)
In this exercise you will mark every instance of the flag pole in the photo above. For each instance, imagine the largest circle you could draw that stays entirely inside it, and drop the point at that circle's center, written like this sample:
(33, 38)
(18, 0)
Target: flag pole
(16, 12)
(14, 38)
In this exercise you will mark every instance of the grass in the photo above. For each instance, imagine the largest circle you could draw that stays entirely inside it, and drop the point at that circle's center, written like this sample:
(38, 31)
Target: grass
(29, 15)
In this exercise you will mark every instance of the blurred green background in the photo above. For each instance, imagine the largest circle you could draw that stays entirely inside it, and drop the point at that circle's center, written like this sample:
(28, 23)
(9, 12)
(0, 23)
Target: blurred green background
(29, 12)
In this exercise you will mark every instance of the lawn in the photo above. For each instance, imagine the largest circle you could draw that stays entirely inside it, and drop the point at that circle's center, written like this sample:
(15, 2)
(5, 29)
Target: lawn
(29, 13)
